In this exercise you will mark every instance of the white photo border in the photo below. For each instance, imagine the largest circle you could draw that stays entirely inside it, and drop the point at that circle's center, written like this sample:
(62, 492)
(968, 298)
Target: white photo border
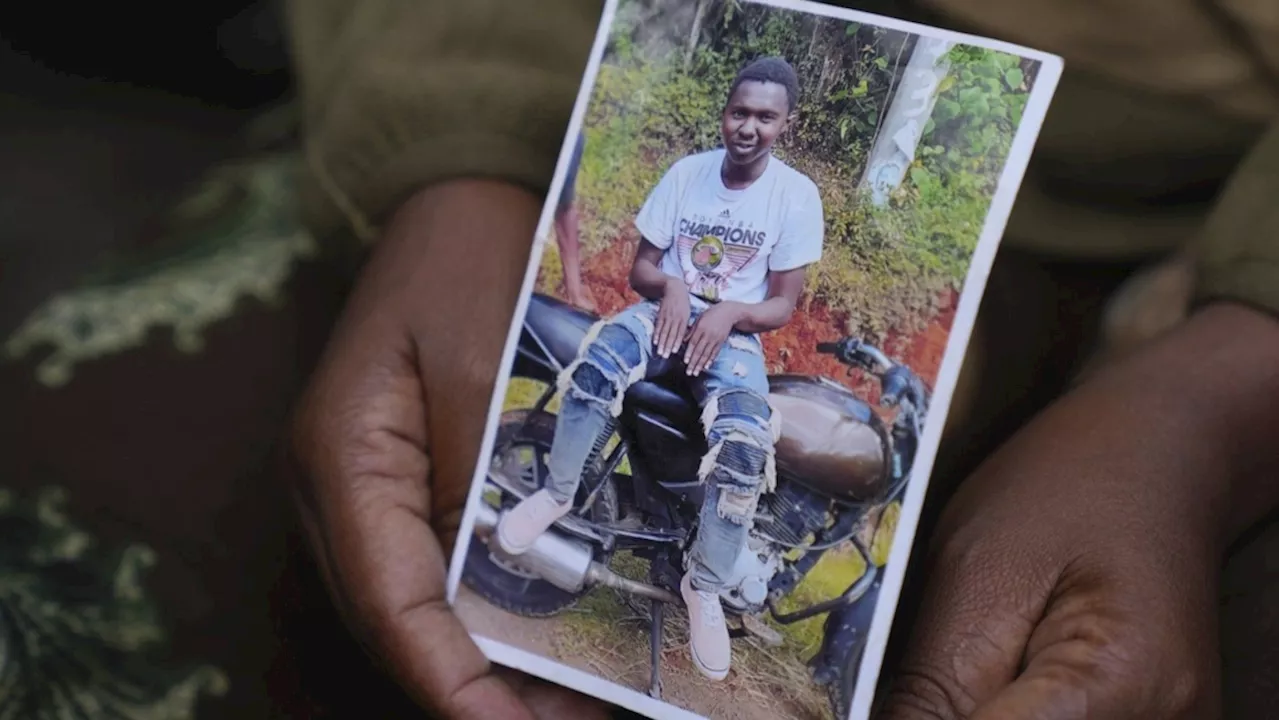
(980, 262)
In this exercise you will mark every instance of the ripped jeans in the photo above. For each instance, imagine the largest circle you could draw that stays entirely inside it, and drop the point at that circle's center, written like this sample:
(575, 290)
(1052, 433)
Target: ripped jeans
(739, 424)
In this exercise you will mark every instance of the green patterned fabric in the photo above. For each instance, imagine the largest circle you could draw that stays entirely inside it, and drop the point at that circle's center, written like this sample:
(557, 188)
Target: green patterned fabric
(79, 635)
(79, 638)
(236, 237)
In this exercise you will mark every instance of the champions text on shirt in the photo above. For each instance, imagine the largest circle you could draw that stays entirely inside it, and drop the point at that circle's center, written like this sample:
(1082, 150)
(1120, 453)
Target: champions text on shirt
(724, 242)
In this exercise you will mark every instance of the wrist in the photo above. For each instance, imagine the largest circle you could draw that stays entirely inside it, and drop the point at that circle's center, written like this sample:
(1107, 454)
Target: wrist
(1203, 396)
(739, 312)
(673, 286)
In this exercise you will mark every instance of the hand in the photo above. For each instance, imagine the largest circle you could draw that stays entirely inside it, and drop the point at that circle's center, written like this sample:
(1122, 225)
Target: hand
(708, 335)
(1074, 576)
(388, 432)
(673, 318)
(579, 296)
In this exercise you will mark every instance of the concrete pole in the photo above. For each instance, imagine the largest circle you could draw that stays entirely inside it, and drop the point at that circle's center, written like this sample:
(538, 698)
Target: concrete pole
(909, 109)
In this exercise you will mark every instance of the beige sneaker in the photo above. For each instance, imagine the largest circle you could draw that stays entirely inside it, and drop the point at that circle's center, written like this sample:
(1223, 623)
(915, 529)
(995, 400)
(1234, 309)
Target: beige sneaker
(708, 634)
(522, 524)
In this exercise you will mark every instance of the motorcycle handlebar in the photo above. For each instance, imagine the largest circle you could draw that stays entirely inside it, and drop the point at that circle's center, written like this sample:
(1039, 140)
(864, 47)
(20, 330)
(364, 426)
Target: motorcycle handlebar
(852, 351)
(893, 385)
(896, 381)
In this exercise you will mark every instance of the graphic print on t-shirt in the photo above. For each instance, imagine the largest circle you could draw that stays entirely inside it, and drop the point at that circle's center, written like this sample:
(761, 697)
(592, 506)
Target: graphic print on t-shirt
(717, 248)
(724, 242)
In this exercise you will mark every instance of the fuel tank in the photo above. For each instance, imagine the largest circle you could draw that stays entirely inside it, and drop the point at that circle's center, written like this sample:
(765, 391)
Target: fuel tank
(831, 441)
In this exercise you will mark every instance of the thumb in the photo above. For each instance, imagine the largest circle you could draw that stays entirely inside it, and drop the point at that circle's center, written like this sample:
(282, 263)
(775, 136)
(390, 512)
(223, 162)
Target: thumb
(1051, 688)
(986, 592)
(1095, 655)
(966, 645)
(1073, 680)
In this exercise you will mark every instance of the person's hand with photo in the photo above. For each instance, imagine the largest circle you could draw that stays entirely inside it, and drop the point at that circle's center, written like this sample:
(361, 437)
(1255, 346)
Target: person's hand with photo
(388, 434)
(1074, 575)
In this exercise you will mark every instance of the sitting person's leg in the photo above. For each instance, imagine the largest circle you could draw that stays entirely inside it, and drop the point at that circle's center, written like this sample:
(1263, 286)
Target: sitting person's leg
(614, 357)
(738, 467)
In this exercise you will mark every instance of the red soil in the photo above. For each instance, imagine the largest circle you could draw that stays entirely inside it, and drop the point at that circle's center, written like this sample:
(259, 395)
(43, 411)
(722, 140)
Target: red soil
(792, 348)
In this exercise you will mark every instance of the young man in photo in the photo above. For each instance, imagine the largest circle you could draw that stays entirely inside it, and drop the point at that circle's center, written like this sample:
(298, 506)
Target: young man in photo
(726, 238)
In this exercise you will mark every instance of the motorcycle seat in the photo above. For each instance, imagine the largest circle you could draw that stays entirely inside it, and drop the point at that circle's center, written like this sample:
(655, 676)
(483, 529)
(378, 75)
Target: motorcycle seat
(559, 326)
(666, 397)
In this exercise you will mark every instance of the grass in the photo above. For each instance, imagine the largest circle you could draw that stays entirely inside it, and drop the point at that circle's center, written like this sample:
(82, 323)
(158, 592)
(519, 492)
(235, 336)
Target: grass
(609, 632)
(523, 393)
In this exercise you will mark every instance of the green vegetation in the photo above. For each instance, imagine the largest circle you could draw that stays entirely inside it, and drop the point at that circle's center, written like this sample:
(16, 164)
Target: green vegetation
(657, 99)
(605, 621)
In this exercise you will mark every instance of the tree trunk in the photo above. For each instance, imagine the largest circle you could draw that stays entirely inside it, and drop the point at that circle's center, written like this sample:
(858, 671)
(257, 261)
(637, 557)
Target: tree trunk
(695, 31)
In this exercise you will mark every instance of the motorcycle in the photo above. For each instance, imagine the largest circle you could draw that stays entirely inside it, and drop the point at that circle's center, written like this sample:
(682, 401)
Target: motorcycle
(838, 465)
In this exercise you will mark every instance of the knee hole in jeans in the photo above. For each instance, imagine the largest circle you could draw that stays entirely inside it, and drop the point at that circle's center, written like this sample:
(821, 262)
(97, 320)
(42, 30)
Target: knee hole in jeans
(737, 467)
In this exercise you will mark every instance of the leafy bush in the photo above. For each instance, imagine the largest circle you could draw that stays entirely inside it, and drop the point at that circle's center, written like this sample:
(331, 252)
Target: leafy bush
(883, 267)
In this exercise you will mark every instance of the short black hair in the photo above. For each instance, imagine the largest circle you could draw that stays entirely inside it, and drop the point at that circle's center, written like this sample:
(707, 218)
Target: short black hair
(772, 70)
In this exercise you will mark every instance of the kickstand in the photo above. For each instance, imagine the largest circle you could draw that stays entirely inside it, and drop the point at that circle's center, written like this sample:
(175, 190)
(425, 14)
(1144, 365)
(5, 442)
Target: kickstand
(655, 648)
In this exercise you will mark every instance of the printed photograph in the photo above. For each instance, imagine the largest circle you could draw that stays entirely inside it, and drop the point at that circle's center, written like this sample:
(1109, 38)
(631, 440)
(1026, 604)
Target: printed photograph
(725, 370)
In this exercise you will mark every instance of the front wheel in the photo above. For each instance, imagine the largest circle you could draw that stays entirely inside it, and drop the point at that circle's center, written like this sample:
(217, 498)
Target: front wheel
(522, 448)
(845, 639)
(840, 692)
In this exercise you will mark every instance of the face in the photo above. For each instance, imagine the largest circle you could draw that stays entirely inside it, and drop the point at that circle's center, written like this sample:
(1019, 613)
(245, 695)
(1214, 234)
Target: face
(753, 118)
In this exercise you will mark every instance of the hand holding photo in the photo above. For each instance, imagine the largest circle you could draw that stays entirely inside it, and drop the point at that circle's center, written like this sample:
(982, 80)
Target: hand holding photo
(728, 377)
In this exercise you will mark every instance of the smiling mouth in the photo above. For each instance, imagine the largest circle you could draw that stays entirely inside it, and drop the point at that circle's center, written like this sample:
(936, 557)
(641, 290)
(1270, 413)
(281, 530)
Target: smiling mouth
(744, 147)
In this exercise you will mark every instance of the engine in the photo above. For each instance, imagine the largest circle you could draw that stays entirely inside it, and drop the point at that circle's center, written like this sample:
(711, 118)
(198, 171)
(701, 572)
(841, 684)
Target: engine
(748, 588)
(793, 513)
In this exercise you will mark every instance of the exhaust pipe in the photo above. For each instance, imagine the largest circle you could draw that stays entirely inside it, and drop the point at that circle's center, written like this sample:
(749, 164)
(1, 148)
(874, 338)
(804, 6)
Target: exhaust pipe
(559, 560)
(565, 562)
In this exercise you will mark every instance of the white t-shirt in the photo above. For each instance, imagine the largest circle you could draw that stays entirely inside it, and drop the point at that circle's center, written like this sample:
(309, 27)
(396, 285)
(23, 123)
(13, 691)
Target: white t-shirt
(724, 242)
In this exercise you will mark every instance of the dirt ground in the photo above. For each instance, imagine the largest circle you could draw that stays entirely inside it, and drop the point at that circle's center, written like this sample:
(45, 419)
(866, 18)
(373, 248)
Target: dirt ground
(762, 685)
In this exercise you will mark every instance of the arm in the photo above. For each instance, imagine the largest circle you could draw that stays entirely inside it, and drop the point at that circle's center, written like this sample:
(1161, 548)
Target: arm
(396, 95)
(431, 128)
(1084, 553)
(1247, 409)
(713, 327)
(776, 310)
(799, 247)
(1235, 297)
(671, 294)
(1111, 510)
(647, 277)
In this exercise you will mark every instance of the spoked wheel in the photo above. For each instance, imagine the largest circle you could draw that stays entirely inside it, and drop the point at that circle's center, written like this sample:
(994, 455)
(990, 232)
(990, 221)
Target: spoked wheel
(840, 692)
(852, 627)
(521, 454)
